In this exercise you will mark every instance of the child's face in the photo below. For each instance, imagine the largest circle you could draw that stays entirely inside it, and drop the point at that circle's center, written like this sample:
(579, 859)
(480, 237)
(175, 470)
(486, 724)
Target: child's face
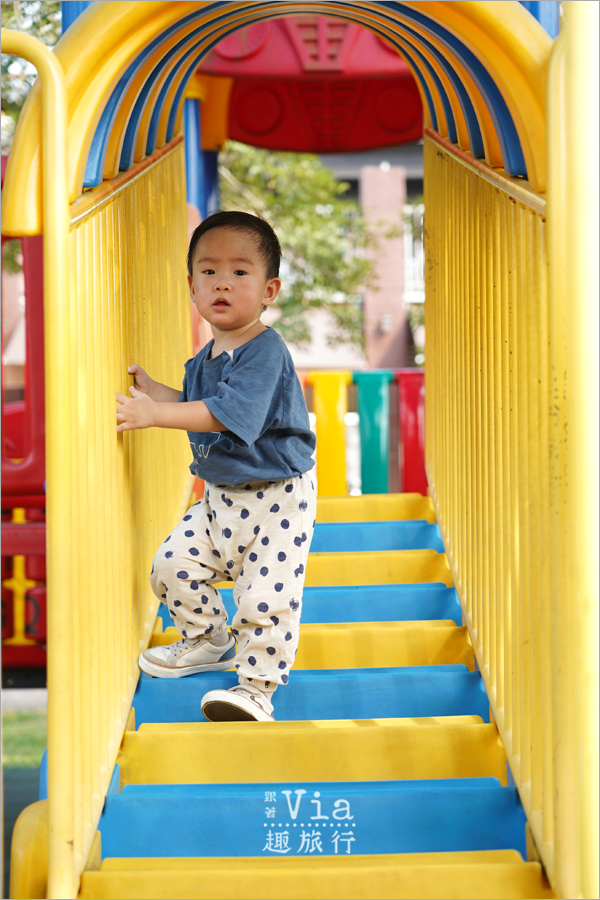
(228, 285)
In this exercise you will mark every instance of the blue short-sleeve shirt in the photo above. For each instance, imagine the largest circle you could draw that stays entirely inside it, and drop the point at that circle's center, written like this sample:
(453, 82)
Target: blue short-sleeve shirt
(255, 393)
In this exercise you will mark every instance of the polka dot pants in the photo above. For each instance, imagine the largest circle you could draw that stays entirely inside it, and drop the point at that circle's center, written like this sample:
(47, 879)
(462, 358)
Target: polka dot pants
(258, 536)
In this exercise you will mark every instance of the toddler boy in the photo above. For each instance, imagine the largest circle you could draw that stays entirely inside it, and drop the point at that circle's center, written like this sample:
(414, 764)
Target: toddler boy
(244, 411)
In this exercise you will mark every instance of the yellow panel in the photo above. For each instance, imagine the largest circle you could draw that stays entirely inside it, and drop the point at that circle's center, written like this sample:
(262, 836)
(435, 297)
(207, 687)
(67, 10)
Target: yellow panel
(354, 645)
(111, 510)
(375, 567)
(29, 852)
(375, 507)
(312, 751)
(500, 367)
(215, 111)
(429, 876)
(378, 567)
(330, 403)
(340, 724)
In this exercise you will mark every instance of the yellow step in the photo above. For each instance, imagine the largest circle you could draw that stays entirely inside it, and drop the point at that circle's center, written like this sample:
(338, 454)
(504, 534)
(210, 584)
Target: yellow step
(362, 750)
(375, 507)
(457, 876)
(375, 567)
(378, 567)
(358, 645)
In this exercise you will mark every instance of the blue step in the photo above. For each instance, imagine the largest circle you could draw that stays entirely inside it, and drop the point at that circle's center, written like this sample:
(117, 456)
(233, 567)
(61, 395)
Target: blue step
(347, 818)
(404, 692)
(356, 537)
(366, 603)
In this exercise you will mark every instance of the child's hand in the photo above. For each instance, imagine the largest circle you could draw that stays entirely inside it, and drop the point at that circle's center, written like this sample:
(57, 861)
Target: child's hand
(137, 411)
(141, 379)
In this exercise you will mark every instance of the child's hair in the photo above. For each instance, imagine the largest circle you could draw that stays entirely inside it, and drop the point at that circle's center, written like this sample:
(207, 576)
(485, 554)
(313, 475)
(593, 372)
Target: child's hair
(268, 243)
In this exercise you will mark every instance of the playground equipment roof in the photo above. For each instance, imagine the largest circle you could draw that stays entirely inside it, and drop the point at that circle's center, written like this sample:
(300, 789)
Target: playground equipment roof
(318, 84)
(479, 67)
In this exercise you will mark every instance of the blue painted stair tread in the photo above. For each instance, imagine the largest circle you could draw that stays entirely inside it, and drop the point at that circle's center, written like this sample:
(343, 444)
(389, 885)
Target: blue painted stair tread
(356, 537)
(366, 603)
(301, 819)
(403, 692)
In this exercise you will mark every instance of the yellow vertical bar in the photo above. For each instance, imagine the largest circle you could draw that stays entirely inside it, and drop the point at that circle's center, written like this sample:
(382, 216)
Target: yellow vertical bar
(498, 571)
(515, 506)
(505, 300)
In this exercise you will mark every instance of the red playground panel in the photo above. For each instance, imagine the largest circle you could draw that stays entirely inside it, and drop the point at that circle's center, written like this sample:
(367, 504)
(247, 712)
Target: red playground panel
(316, 84)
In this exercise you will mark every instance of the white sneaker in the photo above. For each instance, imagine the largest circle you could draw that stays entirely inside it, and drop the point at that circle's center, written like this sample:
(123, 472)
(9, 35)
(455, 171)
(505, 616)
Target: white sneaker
(187, 656)
(238, 704)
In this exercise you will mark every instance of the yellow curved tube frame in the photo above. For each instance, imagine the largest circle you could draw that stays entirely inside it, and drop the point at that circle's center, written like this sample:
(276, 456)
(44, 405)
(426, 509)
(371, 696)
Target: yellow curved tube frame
(508, 41)
(53, 142)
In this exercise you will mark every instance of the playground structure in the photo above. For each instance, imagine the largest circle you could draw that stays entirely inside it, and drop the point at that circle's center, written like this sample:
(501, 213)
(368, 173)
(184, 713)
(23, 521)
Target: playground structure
(510, 443)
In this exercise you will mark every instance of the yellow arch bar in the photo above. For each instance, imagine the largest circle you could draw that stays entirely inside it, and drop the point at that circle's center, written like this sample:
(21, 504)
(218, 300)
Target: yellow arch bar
(508, 41)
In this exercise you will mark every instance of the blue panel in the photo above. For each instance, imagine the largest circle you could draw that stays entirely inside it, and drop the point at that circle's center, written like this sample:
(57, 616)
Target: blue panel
(115, 781)
(366, 603)
(354, 537)
(319, 819)
(547, 12)
(328, 694)
(510, 145)
(43, 788)
(71, 11)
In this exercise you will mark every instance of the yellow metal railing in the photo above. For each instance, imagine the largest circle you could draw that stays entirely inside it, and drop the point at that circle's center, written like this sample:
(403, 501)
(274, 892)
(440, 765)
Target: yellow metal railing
(510, 467)
(110, 299)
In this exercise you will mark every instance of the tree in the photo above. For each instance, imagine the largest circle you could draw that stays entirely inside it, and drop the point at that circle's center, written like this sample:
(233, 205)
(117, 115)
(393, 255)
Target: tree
(43, 21)
(323, 236)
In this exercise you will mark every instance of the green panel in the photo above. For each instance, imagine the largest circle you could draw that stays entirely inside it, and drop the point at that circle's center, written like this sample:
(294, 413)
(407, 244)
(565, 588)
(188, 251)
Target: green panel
(373, 399)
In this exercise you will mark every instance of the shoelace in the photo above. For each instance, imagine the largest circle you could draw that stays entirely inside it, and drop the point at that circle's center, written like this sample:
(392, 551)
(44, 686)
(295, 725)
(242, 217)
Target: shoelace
(184, 644)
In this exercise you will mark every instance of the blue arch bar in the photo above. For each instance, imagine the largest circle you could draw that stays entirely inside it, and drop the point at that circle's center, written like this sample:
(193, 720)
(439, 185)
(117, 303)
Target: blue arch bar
(512, 154)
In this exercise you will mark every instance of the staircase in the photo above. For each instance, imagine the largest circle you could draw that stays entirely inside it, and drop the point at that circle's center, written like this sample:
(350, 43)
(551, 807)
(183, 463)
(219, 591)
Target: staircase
(382, 777)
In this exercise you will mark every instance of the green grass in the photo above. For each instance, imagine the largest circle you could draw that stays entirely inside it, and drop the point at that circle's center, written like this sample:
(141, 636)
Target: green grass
(24, 738)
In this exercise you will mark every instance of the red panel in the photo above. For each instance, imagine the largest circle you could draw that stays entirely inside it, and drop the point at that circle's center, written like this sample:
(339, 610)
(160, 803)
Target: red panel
(35, 613)
(8, 624)
(35, 568)
(7, 567)
(23, 656)
(27, 539)
(302, 46)
(411, 400)
(325, 116)
(17, 501)
(35, 515)
(14, 429)
(27, 476)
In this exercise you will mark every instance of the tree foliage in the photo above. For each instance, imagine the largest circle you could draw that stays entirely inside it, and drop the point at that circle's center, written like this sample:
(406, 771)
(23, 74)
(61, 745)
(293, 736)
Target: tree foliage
(324, 238)
(43, 21)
